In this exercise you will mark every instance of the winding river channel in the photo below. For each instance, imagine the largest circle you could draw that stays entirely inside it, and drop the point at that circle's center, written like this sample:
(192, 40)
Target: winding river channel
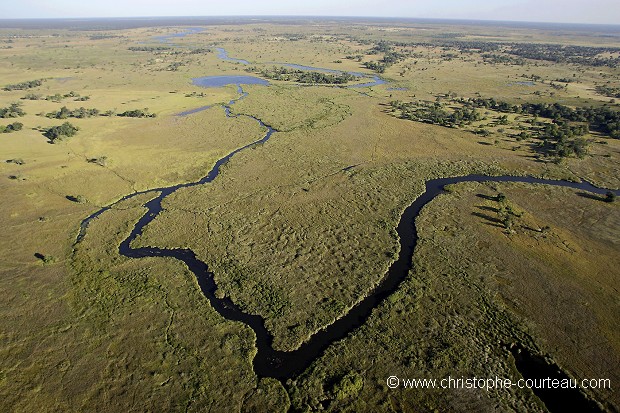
(279, 364)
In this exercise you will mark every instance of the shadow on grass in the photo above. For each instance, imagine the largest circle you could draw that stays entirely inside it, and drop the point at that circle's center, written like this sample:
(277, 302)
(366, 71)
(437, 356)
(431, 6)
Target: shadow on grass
(490, 220)
(487, 197)
(591, 196)
(487, 208)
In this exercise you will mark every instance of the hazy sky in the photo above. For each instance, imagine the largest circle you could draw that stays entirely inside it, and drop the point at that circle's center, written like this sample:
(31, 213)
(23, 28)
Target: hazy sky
(573, 11)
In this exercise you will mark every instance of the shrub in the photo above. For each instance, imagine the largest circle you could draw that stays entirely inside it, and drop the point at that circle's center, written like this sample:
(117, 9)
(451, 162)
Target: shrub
(349, 386)
(100, 160)
(47, 259)
(80, 199)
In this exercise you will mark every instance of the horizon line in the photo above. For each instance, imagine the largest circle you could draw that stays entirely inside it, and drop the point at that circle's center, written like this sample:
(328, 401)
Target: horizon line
(303, 16)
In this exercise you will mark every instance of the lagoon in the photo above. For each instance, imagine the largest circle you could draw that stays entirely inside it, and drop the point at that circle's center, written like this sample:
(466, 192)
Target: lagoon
(219, 81)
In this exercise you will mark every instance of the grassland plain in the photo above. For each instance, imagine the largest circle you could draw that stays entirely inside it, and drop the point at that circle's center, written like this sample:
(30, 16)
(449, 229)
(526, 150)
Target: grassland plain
(465, 299)
(292, 232)
(60, 349)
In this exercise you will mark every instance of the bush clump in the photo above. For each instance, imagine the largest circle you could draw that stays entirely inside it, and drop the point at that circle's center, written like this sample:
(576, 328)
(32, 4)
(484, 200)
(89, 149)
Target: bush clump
(57, 133)
(12, 111)
(24, 85)
(13, 127)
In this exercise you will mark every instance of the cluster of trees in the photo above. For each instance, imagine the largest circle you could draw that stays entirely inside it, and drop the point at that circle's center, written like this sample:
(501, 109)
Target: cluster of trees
(293, 37)
(584, 55)
(565, 147)
(562, 138)
(80, 113)
(496, 58)
(149, 48)
(609, 91)
(376, 66)
(13, 127)
(58, 133)
(435, 113)
(565, 139)
(32, 96)
(560, 129)
(449, 35)
(495, 51)
(174, 66)
(506, 214)
(304, 76)
(382, 47)
(137, 113)
(603, 119)
(104, 37)
(24, 85)
(357, 57)
(200, 50)
(390, 57)
(56, 97)
(470, 46)
(12, 111)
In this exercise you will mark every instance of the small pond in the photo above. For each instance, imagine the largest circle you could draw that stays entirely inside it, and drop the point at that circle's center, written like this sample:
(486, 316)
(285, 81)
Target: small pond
(219, 81)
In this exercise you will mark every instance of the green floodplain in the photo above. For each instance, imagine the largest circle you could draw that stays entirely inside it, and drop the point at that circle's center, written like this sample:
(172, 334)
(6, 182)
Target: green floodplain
(302, 224)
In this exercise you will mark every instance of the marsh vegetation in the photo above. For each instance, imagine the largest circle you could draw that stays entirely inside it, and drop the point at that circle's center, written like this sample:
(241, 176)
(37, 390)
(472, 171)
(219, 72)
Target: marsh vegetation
(301, 228)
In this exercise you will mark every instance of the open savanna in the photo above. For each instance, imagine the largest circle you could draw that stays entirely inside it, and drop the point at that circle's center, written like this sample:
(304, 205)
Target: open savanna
(60, 349)
(297, 230)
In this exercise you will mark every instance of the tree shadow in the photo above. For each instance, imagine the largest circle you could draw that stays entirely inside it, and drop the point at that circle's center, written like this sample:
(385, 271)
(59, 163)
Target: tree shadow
(591, 196)
(487, 208)
(73, 198)
(495, 222)
(487, 197)
(531, 229)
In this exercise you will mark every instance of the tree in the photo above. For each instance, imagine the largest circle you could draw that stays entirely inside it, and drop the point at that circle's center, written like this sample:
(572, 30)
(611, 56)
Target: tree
(59, 132)
(610, 196)
(508, 222)
(80, 199)
(64, 113)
